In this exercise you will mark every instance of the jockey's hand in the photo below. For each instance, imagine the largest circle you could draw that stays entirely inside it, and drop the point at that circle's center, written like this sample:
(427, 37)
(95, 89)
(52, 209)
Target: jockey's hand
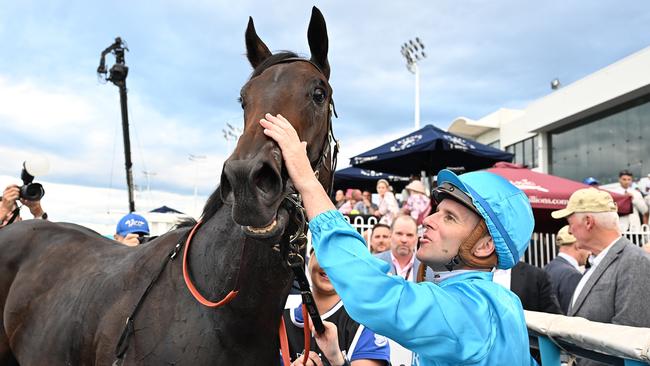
(294, 152)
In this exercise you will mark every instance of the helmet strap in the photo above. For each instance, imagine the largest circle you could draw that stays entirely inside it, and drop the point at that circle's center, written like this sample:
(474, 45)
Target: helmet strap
(465, 255)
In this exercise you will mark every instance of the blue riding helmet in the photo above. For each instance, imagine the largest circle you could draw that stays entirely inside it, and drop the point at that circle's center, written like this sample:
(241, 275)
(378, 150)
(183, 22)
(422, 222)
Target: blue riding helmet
(590, 181)
(504, 207)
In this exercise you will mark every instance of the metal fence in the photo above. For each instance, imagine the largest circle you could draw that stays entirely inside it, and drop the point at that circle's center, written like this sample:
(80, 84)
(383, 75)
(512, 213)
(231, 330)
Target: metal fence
(542, 247)
(541, 250)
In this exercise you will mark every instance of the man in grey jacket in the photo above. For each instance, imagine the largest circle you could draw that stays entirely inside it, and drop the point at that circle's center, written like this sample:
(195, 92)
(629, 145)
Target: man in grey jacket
(615, 288)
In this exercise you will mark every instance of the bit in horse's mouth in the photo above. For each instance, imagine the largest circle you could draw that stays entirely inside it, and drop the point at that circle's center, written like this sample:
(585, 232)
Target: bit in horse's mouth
(263, 230)
(272, 230)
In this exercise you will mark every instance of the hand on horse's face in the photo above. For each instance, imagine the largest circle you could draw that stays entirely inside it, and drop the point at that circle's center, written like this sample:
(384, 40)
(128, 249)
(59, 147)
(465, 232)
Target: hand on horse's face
(294, 152)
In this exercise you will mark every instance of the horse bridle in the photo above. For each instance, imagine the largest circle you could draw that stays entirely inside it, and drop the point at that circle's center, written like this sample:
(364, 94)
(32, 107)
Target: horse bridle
(289, 252)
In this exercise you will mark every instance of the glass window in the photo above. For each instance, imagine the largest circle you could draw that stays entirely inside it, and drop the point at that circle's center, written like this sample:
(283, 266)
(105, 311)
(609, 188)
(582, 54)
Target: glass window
(528, 152)
(535, 152)
(519, 153)
(604, 144)
(525, 152)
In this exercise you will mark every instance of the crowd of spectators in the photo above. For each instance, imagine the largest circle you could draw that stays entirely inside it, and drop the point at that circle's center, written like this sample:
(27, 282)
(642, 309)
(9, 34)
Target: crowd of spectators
(597, 274)
(414, 202)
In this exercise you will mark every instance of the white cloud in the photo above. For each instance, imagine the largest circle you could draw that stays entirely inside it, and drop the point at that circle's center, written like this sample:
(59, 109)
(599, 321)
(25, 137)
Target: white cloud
(101, 208)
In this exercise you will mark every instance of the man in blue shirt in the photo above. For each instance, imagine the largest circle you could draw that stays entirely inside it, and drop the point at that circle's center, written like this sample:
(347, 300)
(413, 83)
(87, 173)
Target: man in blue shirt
(462, 317)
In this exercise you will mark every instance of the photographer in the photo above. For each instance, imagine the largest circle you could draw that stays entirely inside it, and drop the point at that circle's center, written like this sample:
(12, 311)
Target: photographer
(131, 230)
(9, 209)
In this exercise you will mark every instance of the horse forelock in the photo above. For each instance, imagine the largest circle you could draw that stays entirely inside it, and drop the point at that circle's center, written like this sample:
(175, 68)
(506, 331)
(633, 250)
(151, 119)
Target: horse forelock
(273, 60)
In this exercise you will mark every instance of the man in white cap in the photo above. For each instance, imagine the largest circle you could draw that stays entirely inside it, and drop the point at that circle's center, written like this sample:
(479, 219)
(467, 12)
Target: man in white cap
(615, 288)
(565, 270)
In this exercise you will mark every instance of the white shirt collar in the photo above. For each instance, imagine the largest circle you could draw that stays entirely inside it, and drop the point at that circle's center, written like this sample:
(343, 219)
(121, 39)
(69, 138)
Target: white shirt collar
(597, 259)
(569, 259)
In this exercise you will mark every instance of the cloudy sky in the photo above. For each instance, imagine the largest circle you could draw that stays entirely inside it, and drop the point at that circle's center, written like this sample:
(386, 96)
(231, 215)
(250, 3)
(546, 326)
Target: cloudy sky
(187, 65)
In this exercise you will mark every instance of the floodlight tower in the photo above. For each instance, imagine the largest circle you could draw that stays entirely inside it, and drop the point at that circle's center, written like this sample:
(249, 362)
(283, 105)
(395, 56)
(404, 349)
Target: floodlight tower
(413, 52)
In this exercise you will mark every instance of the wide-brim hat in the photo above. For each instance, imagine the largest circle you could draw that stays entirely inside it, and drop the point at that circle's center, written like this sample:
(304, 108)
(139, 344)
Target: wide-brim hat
(504, 207)
(416, 186)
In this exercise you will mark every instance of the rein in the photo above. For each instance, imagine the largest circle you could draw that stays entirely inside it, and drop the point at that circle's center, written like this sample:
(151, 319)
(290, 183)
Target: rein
(188, 281)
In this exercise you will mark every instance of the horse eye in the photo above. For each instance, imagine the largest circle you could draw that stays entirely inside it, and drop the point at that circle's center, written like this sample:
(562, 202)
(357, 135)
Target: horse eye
(241, 102)
(319, 96)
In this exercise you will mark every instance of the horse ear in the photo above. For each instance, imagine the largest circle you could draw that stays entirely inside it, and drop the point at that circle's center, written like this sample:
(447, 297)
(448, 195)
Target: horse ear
(256, 50)
(318, 43)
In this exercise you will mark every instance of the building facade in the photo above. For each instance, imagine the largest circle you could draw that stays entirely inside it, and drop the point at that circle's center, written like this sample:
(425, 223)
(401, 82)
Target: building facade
(594, 127)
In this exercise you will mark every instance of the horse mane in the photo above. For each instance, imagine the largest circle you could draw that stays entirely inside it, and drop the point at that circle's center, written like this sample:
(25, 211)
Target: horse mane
(272, 60)
(212, 205)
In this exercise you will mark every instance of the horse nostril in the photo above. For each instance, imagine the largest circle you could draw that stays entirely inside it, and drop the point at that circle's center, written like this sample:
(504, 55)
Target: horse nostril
(267, 180)
(225, 188)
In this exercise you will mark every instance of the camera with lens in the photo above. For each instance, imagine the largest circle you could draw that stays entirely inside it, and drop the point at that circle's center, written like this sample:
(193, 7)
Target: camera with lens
(29, 190)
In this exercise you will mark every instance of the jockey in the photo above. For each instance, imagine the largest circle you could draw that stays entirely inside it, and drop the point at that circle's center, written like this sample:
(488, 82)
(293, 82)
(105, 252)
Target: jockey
(460, 317)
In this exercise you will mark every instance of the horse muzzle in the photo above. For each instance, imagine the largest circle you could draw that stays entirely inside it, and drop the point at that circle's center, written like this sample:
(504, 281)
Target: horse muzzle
(255, 189)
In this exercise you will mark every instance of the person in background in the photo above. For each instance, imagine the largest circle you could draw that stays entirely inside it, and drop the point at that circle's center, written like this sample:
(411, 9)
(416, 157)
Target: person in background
(631, 222)
(482, 221)
(418, 204)
(644, 188)
(9, 209)
(360, 345)
(365, 206)
(380, 238)
(565, 270)
(591, 181)
(531, 285)
(339, 199)
(131, 230)
(403, 244)
(353, 196)
(614, 288)
(387, 208)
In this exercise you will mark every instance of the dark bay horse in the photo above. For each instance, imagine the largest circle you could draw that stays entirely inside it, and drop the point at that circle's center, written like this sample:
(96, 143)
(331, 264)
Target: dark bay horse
(65, 292)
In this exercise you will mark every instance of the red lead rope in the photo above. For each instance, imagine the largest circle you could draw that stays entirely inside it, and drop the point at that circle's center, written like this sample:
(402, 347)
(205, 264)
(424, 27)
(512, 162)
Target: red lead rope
(284, 344)
(188, 281)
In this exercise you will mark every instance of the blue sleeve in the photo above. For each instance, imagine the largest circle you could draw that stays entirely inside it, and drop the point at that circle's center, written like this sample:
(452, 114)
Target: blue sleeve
(453, 324)
(371, 346)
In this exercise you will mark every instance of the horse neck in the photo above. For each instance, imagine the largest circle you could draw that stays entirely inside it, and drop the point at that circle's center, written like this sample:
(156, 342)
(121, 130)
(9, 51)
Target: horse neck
(222, 257)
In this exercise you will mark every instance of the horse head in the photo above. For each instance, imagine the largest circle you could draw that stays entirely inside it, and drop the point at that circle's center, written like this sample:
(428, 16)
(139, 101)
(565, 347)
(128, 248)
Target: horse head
(254, 179)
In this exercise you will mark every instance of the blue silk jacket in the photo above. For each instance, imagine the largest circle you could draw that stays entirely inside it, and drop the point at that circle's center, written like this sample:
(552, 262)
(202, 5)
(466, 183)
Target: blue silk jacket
(465, 320)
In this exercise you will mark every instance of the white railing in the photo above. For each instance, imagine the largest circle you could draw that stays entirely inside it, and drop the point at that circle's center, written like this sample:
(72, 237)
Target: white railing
(610, 343)
(541, 250)
(542, 247)
(363, 225)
